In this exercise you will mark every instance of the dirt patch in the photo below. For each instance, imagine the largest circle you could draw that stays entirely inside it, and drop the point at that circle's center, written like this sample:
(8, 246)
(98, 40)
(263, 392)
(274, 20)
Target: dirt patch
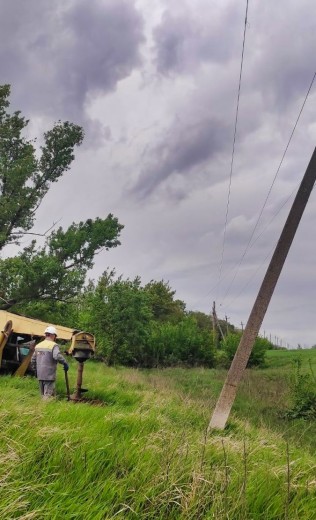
(92, 402)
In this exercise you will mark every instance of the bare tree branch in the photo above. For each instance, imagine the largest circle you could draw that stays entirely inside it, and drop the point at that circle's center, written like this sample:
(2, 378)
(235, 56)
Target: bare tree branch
(20, 233)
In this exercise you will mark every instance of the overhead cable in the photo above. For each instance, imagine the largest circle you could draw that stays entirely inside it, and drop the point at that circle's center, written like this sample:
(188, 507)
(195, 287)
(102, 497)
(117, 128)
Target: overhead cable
(234, 141)
(270, 189)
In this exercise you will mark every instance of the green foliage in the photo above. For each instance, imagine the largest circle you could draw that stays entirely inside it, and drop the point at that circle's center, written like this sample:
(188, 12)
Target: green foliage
(163, 305)
(35, 275)
(229, 346)
(303, 393)
(77, 245)
(142, 326)
(203, 321)
(128, 315)
(119, 313)
(181, 343)
(55, 272)
(25, 179)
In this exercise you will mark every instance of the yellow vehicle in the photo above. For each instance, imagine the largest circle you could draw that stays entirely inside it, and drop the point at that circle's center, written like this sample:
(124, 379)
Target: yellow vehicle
(19, 335)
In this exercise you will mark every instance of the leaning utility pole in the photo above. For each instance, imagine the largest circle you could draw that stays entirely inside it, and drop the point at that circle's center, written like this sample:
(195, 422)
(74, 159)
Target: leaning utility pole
(214, 325)
(226, 319)
(239, 363)
(216, 321)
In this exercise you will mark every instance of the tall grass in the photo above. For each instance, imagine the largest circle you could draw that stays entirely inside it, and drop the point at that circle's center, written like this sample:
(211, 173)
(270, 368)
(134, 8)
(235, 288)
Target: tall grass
(142, 451)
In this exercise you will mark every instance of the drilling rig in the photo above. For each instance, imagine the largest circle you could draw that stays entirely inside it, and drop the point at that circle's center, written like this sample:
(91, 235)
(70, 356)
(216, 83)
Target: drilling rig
(19, 335)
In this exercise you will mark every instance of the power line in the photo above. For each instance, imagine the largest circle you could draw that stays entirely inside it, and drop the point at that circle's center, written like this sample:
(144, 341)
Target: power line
(215, 286)
(255, 240)
(234, 141)
(261, 264)
(266, 257)
(253, 243)
(270, 189)
(251, 277)
(250, 245)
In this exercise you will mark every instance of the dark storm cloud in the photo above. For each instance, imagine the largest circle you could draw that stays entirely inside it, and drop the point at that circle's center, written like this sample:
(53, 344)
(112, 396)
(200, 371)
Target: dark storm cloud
(184, 148)
(182, 41)
(57, 55)
(103, 47)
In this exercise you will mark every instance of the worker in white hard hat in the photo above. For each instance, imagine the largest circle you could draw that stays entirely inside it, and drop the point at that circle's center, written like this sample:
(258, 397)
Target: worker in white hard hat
(44, 362)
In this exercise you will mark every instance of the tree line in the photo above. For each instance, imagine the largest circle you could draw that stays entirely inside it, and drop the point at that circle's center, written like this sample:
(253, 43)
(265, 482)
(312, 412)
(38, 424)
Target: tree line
(145, 326)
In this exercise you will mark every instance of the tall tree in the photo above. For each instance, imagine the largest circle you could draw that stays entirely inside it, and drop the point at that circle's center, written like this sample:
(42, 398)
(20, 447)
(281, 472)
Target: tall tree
(24, 178)
(55, 271)
(163, 304)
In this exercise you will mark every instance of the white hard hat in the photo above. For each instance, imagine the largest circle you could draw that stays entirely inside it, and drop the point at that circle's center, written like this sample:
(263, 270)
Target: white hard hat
(51, 330)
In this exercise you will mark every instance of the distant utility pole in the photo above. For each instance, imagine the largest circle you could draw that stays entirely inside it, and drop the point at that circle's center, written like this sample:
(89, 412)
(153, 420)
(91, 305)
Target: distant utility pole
(239, 363)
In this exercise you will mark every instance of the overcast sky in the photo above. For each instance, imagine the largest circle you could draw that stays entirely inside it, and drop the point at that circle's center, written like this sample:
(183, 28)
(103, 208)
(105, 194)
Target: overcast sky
(154, 83)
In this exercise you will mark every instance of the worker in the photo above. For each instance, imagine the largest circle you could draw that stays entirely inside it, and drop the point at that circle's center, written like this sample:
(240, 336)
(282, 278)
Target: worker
(44, 362)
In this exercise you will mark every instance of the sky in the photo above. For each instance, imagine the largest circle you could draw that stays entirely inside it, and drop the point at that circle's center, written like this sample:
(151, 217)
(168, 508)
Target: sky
(155, 84)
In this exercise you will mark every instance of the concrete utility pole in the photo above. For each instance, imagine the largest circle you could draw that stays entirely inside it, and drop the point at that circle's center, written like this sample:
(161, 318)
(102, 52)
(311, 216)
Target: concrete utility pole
(239, 363)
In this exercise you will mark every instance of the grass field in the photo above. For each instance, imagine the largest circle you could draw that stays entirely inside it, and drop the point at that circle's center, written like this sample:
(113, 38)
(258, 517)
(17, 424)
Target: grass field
(142, 452)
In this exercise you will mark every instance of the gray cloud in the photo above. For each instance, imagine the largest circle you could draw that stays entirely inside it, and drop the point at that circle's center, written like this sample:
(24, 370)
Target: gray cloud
(280, 52)
(185, 147)
(279, 56)
(103, 48)
(185, 39)
(63, 54)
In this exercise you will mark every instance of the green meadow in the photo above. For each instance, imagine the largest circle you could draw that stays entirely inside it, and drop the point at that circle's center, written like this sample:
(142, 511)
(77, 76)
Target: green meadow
(139, 449)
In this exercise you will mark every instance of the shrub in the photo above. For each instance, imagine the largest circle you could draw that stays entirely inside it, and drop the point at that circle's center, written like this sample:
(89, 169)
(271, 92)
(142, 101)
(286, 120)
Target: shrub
(229, 346)
(303, 394)
(182, 343)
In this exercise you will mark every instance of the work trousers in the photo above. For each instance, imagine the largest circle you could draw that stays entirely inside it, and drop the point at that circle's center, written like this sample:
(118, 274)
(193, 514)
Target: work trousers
(47, 388)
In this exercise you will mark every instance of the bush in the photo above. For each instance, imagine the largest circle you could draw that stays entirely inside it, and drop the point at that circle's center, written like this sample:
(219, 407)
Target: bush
(303, 394)
(182, 343)
(229, 346)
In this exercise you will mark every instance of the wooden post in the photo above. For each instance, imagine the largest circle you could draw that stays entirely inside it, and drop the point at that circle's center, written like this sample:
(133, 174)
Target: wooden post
(239, 363)
(77, 395)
